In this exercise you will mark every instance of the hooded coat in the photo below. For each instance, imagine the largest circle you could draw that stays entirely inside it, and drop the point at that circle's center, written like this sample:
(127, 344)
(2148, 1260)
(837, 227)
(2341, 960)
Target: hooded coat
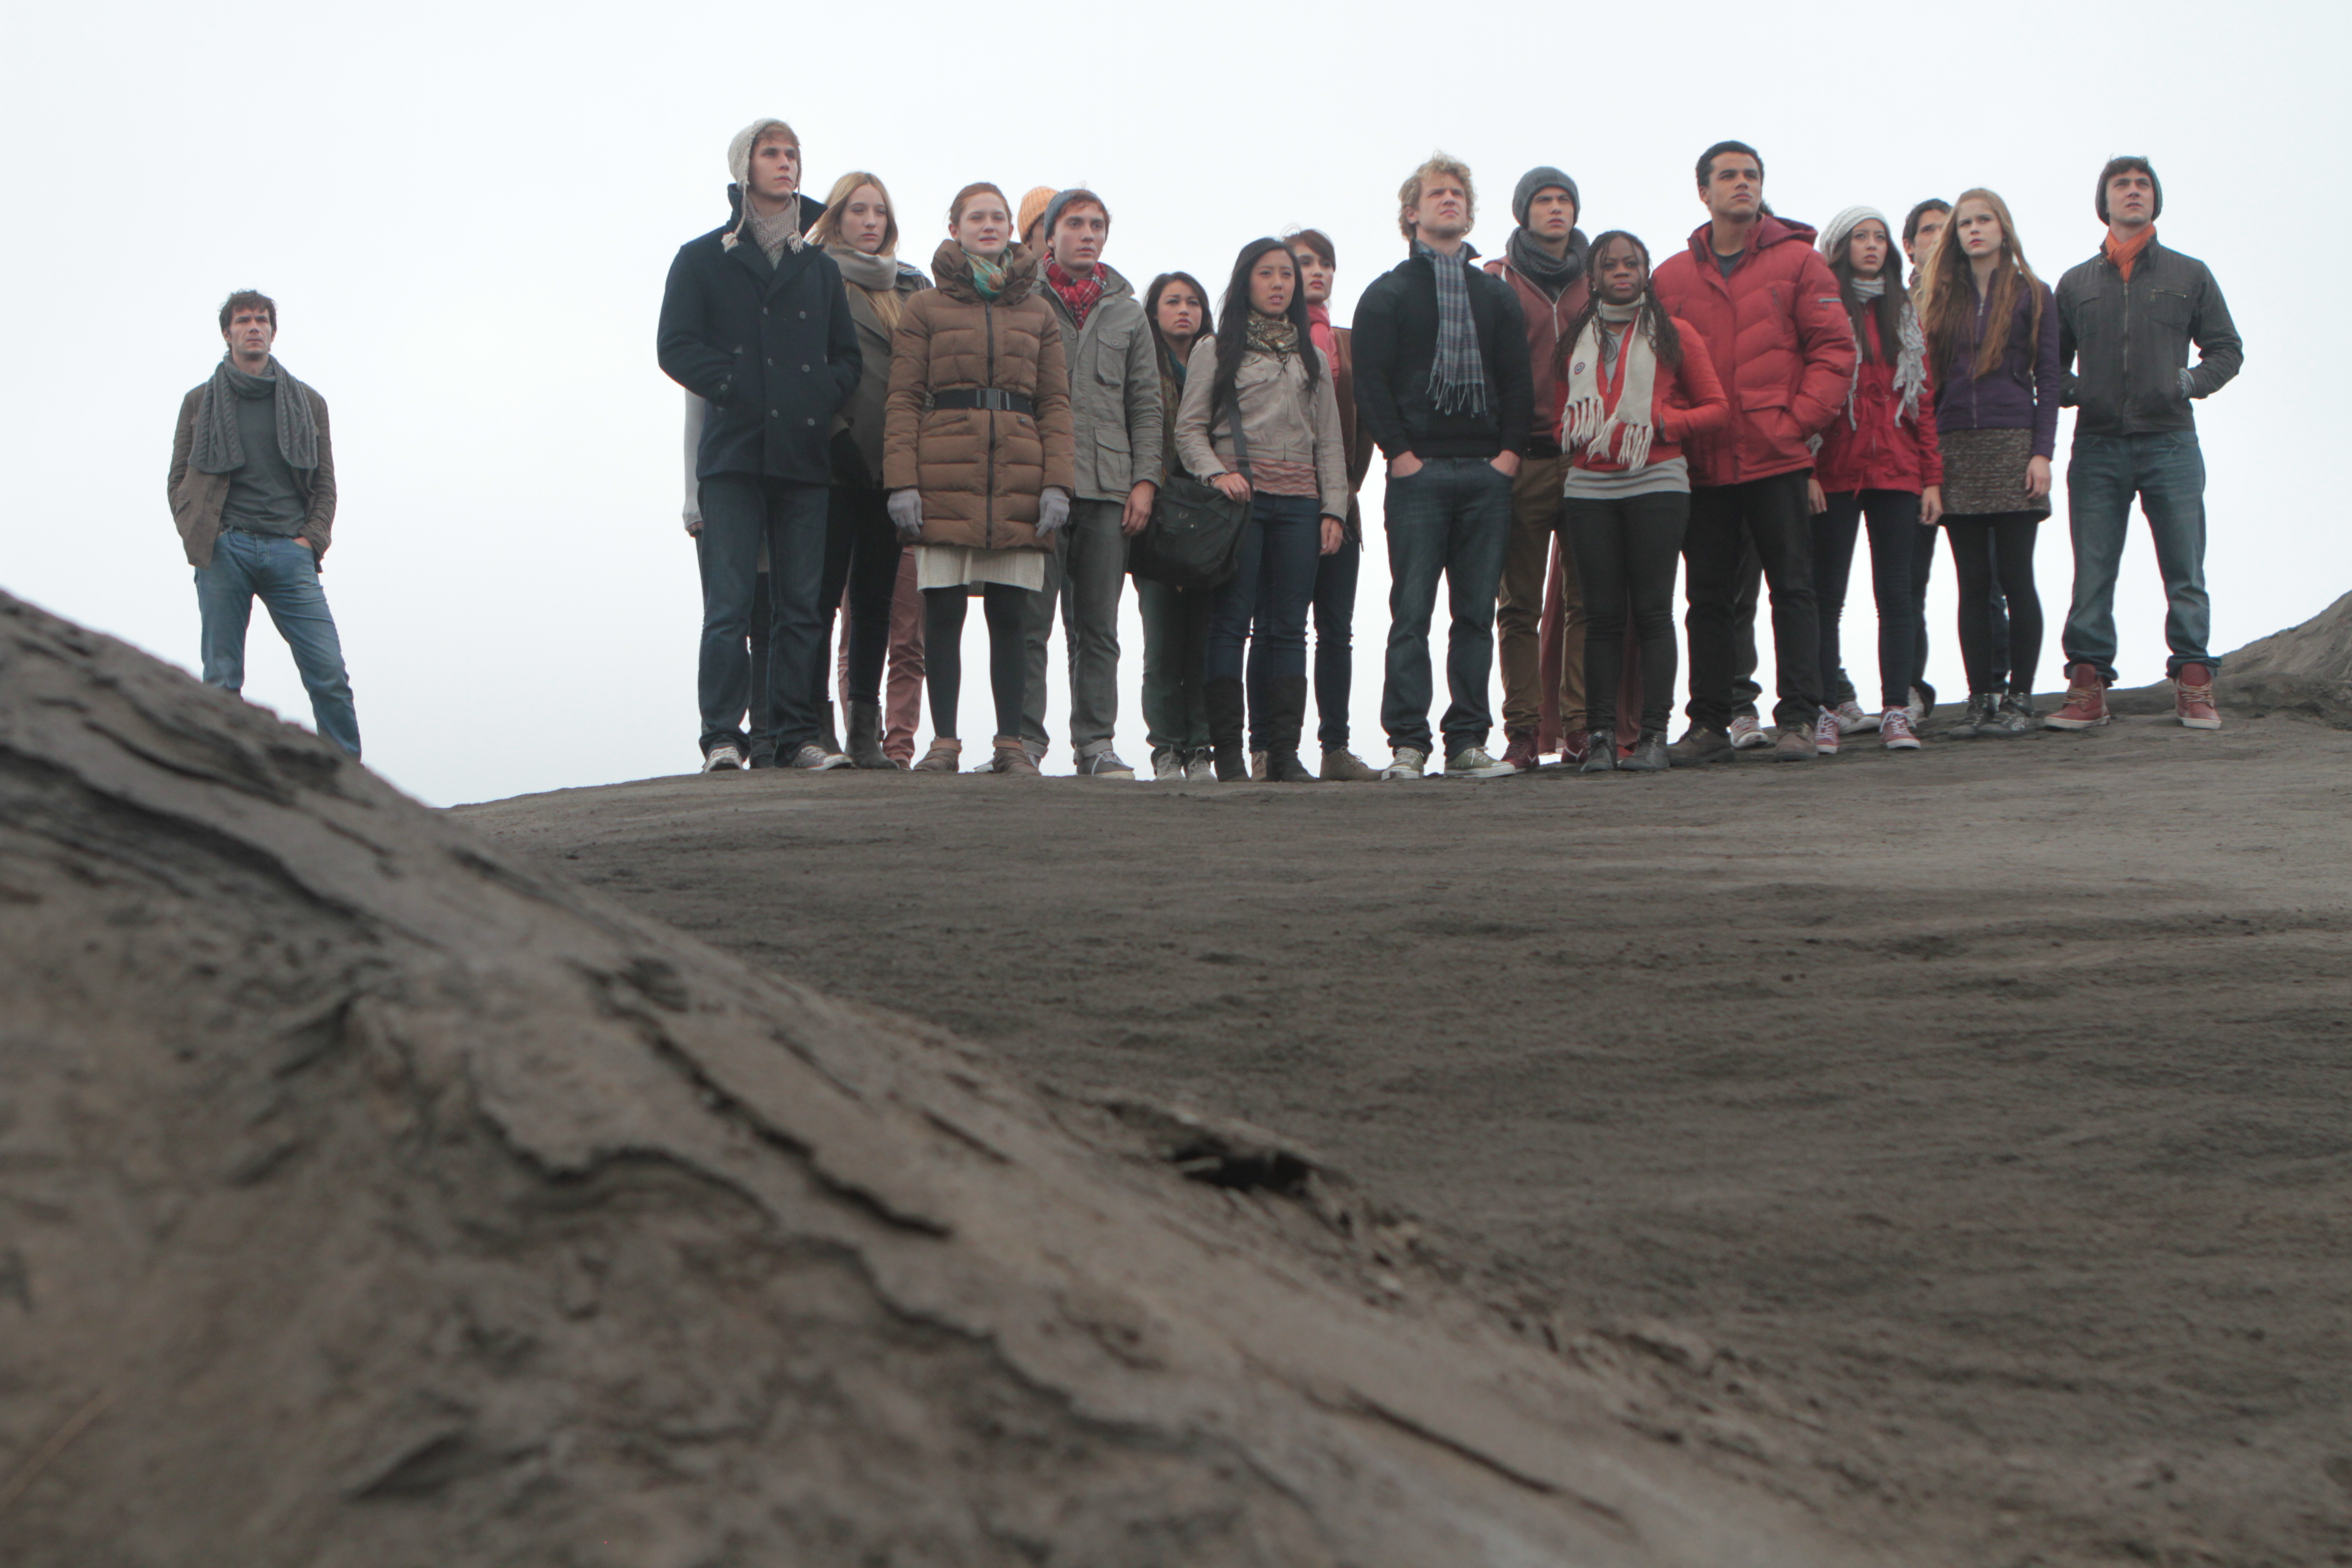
(1777, 333)
(980, 470)
(773, 349)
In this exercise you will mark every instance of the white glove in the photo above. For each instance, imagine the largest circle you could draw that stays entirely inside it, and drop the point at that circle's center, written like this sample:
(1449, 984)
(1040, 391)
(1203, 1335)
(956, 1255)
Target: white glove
(907, 514)
(1053, 509)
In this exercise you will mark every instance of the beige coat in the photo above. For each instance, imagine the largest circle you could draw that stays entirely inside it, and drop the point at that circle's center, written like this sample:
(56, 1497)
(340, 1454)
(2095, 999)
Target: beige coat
(1281, 422)
(198, 497)
(979, 470)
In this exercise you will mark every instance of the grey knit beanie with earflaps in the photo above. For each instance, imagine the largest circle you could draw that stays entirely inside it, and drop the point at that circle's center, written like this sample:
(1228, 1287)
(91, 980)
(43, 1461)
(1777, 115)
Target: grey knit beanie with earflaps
(739, 166)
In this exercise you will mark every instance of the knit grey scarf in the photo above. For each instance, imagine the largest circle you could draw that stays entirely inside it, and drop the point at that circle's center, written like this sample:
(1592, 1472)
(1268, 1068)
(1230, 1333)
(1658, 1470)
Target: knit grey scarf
(1910, 355)
(219, 449)
(1552, 274)
(1457, 381)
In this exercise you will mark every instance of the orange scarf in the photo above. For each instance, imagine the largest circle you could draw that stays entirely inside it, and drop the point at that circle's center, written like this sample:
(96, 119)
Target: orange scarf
(2126, 253)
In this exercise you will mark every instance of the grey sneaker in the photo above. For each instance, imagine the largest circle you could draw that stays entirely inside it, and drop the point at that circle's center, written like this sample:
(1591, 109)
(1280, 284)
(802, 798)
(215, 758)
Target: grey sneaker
(1202, 769)
(1977, 719)
(813, 757)
(2016, 716)
(1408, 763)
(1746, 733)
(1257, 767)
(722, 758)
(1477, 762)
(1104, 765)
(1167, 767)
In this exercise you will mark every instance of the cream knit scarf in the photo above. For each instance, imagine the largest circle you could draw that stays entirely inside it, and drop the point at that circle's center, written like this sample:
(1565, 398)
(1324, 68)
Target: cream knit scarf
(1589, 423)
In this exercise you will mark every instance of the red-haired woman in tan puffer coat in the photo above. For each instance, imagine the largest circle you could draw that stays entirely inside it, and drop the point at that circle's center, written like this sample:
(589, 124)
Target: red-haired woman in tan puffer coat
(976, 457)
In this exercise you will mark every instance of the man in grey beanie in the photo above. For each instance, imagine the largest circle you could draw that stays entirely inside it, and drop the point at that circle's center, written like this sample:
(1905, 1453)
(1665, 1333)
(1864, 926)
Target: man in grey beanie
(1544, 263)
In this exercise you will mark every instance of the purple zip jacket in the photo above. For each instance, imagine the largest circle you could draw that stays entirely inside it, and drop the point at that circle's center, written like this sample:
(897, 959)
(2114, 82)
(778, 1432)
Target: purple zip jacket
(2022, 394)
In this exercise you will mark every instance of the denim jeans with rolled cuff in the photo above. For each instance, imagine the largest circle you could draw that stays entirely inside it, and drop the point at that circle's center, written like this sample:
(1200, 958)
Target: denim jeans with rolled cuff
(2166, 469)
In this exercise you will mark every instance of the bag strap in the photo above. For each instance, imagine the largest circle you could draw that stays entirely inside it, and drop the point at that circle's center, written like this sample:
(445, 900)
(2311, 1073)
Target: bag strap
(1241, 438)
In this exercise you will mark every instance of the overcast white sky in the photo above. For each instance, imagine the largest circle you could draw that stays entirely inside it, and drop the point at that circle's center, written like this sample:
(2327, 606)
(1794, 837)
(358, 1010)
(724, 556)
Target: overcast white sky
(466, 213)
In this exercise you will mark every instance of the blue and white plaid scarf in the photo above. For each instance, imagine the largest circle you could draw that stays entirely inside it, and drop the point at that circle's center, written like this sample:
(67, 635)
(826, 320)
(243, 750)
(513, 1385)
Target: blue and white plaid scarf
(1457, 382)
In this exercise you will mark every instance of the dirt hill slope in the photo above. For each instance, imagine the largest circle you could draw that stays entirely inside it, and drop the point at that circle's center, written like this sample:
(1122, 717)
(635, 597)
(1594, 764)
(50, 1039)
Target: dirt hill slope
(370, 1200)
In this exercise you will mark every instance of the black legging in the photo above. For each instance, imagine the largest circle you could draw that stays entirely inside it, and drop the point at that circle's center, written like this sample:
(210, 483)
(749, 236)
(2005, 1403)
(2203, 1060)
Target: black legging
(1626, 552)
(861, 553)
(1008, 655)
(1984, 546)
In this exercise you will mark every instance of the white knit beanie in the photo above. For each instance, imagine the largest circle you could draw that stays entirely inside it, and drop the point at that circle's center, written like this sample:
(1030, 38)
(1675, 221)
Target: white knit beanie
(1845, 223)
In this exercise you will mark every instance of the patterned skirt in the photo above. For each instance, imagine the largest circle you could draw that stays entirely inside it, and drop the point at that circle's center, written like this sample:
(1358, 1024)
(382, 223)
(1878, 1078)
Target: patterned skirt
(1984, 472)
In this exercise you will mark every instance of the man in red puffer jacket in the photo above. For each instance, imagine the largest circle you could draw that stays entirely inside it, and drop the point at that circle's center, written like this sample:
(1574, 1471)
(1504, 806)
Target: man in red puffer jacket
(1768, 307)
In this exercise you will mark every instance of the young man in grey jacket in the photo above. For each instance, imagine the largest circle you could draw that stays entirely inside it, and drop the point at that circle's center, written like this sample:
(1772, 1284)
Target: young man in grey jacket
(1115, 413)
(2127, 316)
(253, 491)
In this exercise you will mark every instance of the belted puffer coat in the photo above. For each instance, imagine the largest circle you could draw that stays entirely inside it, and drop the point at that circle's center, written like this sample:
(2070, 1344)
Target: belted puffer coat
(980, 470)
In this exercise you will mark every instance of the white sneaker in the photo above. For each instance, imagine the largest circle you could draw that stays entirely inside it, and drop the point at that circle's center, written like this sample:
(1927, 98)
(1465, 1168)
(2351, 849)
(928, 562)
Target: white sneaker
(1746, 734)
(814, 757)
(1202, 769)
(1850, 717)
(1477, 762)
(1827, 729)
(1167, 767)
(724, 757)
(1408, 763)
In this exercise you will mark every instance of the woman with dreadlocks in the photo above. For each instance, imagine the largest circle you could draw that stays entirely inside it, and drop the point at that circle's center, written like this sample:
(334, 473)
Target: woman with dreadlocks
(1878, 461)
(1634, 383)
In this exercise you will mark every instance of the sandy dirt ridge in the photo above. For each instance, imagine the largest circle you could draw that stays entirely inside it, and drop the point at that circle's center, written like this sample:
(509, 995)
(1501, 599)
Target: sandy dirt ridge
(1959, 1142)
(370, 1198)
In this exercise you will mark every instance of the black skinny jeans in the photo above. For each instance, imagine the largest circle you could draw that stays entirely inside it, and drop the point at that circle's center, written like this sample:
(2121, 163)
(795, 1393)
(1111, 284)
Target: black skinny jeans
(1626, 553)
(1894, 519)
(1724, 520)
(1005, 604)
(861, 553)
(1988, 549)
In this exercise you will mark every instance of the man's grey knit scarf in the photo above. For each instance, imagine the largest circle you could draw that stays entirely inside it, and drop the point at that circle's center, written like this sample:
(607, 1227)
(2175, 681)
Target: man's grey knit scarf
(1457, 382)
(219, 449)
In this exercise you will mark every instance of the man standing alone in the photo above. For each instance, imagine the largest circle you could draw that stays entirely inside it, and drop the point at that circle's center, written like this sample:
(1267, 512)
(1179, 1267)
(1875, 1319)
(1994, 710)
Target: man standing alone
(1116, 413)
(1775, 327)
(2129, 314)
(1443, 385)
(1544, 263)
(253, 491)
(755, 322)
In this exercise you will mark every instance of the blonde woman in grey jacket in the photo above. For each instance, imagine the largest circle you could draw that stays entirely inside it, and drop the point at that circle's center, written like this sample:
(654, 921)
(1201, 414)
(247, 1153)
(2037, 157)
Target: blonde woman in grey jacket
(1262, 368)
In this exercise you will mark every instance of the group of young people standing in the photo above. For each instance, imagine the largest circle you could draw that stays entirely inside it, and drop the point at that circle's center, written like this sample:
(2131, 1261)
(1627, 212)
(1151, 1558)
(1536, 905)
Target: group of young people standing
(1563, 427)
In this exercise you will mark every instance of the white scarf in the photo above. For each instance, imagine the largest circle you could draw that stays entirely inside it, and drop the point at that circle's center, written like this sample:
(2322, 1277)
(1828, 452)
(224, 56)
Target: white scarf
(1588, 422)
(1910, 355)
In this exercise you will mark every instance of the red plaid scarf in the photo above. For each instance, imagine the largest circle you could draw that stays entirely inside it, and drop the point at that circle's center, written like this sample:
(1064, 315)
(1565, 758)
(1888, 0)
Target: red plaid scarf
(1079, 296)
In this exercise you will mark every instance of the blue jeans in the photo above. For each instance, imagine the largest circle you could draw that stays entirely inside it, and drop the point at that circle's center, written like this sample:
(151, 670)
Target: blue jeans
(2166, 469)
(740, 511)
(284, 576)
(1452, 515)
(1265, 603)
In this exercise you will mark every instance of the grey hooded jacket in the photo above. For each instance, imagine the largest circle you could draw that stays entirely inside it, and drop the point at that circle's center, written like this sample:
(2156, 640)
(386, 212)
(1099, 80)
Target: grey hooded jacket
(1115, 409)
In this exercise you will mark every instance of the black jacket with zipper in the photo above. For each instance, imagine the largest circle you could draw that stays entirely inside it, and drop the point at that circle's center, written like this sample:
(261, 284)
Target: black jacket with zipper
(2124, 346)
(1395, 344)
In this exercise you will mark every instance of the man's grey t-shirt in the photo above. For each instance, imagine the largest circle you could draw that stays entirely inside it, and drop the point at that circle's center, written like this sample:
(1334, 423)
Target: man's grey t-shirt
(262, 495)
